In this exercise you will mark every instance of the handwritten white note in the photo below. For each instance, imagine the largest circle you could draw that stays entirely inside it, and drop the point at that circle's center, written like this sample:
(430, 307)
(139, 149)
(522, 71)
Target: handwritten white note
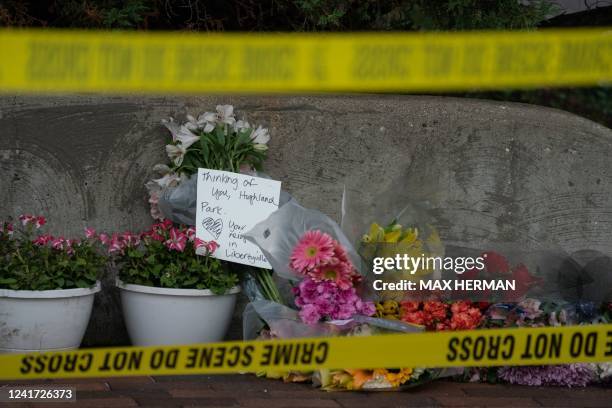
(229, 205)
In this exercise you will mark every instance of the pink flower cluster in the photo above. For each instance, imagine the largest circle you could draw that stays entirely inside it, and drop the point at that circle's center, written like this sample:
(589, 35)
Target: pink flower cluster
(173, 238)
(36, 221)
(328, 287)
(322, 258)
(317, 300)
(57, 243)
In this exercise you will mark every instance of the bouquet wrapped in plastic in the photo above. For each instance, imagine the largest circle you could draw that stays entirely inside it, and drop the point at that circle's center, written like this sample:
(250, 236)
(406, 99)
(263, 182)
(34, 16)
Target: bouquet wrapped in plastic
(326, 284)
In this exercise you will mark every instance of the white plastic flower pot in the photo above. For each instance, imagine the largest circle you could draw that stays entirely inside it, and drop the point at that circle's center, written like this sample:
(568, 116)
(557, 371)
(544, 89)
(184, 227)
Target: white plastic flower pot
(44, 320)
(162, 316)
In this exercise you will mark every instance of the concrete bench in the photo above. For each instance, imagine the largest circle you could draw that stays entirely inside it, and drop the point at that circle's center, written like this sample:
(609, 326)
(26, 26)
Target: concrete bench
(494, 170)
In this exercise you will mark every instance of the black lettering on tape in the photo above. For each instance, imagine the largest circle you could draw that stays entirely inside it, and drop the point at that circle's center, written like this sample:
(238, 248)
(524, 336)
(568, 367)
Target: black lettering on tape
(509, 343)
(266, 357)
(219, 357)
(121, 361)
(268, 63)
(247, 357)
(50, 61)
(116, 62)
(381, 62)
(26, 364)
(56, 363)
(323, 349)
(452, 352)
(576, 344)
(194, 63)
(162, 359)
(233, 356)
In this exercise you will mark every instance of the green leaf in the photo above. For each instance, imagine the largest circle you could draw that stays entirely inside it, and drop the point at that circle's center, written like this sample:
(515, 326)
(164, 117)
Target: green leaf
(82, 284)
(205, 149)
(220, 134)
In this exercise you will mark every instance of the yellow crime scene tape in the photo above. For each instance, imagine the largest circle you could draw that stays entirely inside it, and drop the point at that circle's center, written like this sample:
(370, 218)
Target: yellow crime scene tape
(495, 347)
(170, 62)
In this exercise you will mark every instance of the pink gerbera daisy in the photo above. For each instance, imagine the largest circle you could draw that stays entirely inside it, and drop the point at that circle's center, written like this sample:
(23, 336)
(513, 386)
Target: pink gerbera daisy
(315, 247)
(341, 274)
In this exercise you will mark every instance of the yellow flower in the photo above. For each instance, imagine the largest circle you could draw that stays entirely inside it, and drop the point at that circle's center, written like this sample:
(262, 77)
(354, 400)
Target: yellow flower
(395, 378)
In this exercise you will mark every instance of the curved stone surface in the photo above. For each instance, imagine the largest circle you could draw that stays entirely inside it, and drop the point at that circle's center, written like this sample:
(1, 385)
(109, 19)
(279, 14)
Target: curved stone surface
(492, 170)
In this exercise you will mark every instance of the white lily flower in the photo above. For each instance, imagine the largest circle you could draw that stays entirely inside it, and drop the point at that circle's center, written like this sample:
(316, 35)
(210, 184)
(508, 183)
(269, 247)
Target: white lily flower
(176, 153)
(186, 137)
(209, 117)
(261, 147)
(225, 114)
(204, 122)
(260, 136)
(241, 125)
(181, 133)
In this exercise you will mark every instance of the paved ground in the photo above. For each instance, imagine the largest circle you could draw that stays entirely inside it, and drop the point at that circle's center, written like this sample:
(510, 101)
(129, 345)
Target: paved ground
(249, 391)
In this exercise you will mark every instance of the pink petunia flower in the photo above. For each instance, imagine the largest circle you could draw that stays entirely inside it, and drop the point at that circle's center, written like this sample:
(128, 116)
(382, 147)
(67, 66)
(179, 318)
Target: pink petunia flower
(212, 246)
(40, 221)
(199, 243)
(26, 219)
(177, 240)
(8, 228)
(104, 238)
(116, 244)
(58, 243)
(313, 249)
(43, 240)
(190, 233)
(90, 233)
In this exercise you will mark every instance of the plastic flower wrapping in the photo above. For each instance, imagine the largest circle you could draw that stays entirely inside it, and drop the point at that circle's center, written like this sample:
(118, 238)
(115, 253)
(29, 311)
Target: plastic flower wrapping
(323, 275)
(326, 278)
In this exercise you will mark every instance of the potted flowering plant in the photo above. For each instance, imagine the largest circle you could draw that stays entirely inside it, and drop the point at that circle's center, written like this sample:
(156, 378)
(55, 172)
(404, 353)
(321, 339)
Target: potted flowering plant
(47, 287)
(213, 140)
(169, 294)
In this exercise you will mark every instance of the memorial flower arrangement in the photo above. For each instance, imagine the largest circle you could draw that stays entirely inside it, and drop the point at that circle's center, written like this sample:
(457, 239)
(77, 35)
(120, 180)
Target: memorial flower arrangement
(213, 140)
(532, 312)
(328, 289)
(328, 293)
(33, 260)
(164, 256)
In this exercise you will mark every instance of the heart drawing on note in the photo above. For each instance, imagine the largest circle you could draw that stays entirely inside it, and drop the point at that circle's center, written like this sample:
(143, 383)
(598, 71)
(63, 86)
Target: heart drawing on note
(213, 226)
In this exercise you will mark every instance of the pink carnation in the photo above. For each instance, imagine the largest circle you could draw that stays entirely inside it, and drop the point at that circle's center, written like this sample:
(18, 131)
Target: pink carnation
(324, 299)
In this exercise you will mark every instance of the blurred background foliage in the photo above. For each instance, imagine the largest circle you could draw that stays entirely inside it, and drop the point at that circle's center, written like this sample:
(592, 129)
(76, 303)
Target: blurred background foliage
(331, 15)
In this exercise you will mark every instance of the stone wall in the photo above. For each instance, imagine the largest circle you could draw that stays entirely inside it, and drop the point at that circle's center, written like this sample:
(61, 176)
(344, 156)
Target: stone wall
(492, 170)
